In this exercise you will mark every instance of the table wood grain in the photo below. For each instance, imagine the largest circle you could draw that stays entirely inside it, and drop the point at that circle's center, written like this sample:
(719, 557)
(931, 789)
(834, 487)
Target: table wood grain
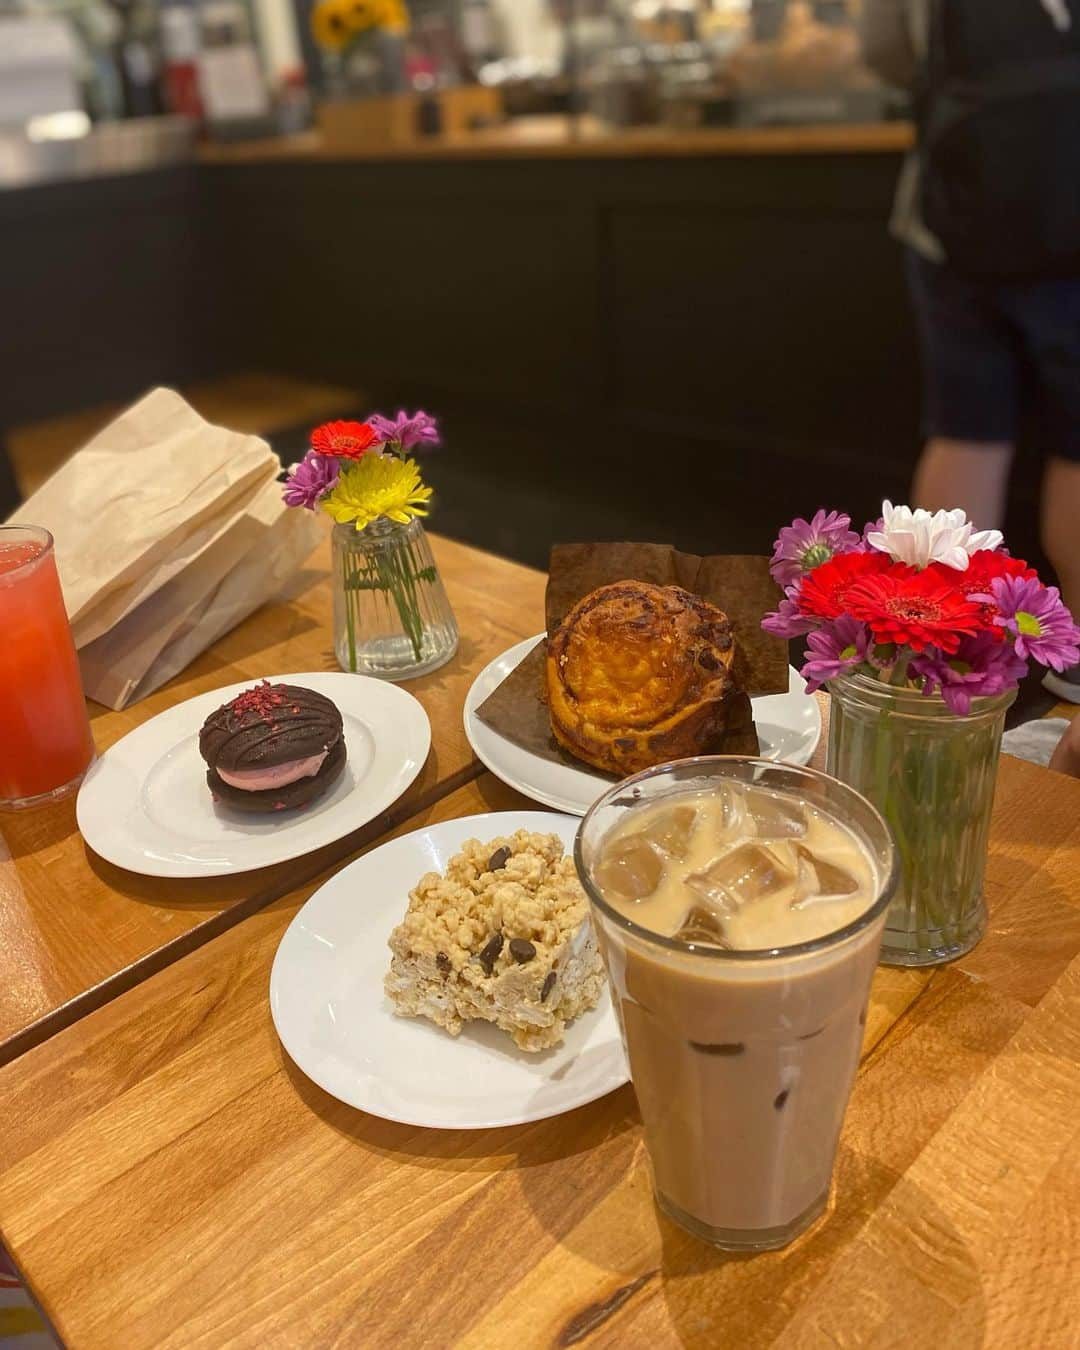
(168, 1178)
(75, 930)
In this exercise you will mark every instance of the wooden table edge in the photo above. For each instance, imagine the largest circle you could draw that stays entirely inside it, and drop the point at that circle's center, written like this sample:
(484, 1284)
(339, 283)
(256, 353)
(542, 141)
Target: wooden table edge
(185, 943)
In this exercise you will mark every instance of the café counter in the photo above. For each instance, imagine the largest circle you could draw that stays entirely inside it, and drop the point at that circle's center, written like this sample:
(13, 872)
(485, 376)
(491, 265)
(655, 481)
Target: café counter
(567, 138)
(714, 284)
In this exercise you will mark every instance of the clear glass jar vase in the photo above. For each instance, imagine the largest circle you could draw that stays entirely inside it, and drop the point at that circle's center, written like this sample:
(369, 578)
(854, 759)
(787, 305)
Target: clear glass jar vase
(931, 774)
(391, 615)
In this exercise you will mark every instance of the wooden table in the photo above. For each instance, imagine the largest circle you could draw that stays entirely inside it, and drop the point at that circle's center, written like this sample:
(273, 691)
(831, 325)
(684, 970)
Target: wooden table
(168, 1178)
(75, 930)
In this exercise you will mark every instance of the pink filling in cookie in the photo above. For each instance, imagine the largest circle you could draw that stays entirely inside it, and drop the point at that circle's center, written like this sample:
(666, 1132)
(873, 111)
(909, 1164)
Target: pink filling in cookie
(274, 776)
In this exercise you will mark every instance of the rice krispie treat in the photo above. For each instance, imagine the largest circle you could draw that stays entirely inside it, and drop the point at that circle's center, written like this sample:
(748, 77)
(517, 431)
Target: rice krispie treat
(505, 936)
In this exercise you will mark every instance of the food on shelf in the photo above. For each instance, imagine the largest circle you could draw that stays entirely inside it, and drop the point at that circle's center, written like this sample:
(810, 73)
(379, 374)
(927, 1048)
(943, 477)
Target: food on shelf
(273, 747)
(638, 675)
(503, 936)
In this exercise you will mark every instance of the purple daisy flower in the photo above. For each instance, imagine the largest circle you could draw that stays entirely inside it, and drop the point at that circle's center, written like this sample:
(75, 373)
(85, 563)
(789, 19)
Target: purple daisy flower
(836, 648)
(1042, 628)
(806, 544)
(406, 431)
(787, 621)
(311, 480)
(982, 667)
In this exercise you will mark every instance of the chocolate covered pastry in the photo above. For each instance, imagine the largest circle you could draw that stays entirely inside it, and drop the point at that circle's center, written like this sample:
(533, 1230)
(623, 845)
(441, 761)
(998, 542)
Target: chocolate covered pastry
(638, 675)
(273, 747)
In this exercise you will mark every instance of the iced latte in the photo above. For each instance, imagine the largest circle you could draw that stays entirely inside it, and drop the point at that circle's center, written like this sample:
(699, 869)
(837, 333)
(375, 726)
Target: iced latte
(740, 907)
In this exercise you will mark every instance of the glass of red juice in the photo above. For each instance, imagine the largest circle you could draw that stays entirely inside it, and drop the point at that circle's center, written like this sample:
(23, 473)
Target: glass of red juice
(45, 741)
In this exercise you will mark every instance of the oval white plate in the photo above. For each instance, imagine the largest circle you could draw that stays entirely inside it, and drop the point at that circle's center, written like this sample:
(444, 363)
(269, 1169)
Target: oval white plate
(328, 1005)
(145, 805)
(788, 725)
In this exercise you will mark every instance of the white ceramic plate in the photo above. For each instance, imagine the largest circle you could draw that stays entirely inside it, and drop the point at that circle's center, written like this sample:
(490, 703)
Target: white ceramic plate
(328, 1005)
(788, 725)
(145, 805)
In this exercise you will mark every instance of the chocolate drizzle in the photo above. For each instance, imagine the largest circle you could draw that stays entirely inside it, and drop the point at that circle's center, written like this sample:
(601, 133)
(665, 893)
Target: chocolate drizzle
(269, 724)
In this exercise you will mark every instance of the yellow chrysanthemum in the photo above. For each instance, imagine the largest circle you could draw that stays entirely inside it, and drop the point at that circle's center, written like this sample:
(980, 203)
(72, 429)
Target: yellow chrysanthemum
(378, 485)
(330, 24)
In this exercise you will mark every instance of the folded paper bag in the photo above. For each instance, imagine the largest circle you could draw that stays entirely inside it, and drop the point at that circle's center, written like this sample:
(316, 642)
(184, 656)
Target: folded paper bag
(247, 566)
(135, 505)
(144, 607)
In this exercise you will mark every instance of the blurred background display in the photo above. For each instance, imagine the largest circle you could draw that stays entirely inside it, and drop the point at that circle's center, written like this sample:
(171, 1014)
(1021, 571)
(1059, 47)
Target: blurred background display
(370, 71)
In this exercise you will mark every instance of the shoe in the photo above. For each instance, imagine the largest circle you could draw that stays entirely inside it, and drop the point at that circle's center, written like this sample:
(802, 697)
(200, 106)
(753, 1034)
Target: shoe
(1066, 685)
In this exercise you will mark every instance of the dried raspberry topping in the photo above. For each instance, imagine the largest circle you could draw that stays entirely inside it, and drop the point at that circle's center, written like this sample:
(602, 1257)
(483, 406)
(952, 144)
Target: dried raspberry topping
(258, 704)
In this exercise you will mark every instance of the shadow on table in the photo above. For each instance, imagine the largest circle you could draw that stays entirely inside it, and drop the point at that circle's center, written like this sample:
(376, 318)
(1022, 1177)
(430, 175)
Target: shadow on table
(27, 832)
(895, 1268)
(254, 636)
(521, 1146)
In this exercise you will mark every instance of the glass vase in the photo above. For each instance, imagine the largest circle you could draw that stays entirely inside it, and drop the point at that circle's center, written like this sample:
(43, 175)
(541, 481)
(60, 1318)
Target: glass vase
(931, 774)
(391, 615)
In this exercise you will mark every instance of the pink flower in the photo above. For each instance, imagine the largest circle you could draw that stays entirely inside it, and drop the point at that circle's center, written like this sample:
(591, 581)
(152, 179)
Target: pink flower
(1043, 629)
(788, 621)
(310, 480)
(836, 648)
(806, 544)
(981, 667)
(406, 431)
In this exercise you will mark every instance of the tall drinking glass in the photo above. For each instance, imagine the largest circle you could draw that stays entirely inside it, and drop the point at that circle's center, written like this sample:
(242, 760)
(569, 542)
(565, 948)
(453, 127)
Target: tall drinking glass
(45, 741)
(742, 1058)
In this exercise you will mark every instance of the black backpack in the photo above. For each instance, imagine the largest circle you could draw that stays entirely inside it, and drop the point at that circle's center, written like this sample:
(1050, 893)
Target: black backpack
(1000, 135)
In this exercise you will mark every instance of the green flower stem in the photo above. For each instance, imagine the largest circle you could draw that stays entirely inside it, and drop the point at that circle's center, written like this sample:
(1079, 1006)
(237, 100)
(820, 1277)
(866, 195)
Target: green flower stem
(393, 570)
(350, 613)
(931, 774)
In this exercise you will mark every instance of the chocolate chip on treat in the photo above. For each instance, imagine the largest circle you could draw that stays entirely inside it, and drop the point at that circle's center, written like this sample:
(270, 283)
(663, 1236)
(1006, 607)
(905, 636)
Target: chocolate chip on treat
(498, 859)
(548, 986)
(522, 950)
(781, 1098)
(723, 641)
(708, 661)
(625, 742)
(442, 962)
(490, 953)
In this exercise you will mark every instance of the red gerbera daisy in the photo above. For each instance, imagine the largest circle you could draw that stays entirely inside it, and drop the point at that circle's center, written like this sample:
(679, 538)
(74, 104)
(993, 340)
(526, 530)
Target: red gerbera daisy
(983, 568)
(343, 440)
(913, 609)
(824, 590)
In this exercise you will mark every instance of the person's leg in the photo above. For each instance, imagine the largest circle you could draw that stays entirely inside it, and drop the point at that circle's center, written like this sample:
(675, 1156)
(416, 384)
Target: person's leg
(973, 475)
(1061, 526)
(971, 378)
(1048, 316)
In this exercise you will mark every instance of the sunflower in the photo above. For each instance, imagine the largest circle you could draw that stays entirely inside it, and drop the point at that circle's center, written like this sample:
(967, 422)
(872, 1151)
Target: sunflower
(394, 16)
(329, 24)
(360, 15)
(378, 485)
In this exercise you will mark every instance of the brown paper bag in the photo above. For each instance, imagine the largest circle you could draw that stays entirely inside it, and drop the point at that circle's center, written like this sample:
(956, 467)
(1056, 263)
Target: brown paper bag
(740, 585)
(140, 502)
(168, 532)
(244, 568)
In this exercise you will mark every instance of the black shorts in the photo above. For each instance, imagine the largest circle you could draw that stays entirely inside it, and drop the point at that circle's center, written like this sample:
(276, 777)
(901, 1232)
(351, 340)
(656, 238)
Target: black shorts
(995, 351)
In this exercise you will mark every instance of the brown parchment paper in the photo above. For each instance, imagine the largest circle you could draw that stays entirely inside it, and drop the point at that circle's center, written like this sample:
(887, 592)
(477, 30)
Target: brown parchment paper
(738, 584)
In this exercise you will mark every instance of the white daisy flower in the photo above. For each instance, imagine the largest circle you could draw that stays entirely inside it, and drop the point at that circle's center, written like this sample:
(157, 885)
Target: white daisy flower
(919, 538)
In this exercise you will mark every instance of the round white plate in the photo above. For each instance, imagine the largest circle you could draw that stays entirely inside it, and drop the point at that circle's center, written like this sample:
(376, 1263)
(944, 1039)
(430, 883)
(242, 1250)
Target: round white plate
(145, 805)
(788, 726)
(328, 1005)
